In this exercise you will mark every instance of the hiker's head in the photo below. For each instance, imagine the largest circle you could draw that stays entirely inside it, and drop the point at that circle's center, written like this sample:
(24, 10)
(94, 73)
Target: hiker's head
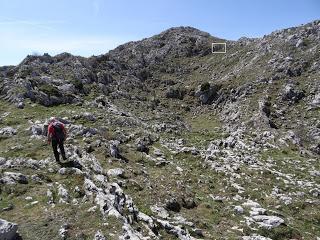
(52, 119)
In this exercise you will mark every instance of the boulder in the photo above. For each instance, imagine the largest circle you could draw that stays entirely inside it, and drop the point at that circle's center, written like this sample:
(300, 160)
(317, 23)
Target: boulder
(238, 209)
(8, 131)
(268, 222)
(20, 105)
(251, 204)
(143, 143)
(157, 152)
(315, 148)
(130, 233)
(89, 116)
(257, 211)
(36, 130)
(114, 150)
(67, 88)
(142, 148)
(206, 93)
(300, 43)
(116, 172)
(99, 236)
(255, 237)
(160, 211)
(316, 100)
(69, 171)
(8, 230)
(178, 231)
(50, 197)
(289, 93)
(63, 231)
(63, 194)
(12, 178)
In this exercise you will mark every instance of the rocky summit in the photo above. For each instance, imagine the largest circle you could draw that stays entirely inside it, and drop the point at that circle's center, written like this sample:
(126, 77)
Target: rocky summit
(166, 140)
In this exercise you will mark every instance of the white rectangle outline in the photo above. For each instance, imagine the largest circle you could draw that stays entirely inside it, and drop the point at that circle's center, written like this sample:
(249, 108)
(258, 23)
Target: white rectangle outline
(225, 47)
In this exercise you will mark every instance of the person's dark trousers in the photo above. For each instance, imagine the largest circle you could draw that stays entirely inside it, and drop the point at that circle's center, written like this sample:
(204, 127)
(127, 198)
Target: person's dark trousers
(55, 145)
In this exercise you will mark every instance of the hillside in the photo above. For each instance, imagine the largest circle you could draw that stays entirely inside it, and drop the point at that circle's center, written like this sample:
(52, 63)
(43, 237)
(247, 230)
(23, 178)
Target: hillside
(213, 146)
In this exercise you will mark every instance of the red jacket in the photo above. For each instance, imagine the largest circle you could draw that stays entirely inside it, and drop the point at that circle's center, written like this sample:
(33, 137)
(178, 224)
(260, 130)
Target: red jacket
(51, 132)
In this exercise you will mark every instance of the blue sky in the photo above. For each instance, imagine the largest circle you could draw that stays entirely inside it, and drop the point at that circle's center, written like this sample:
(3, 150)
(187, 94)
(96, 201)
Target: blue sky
(93, 27)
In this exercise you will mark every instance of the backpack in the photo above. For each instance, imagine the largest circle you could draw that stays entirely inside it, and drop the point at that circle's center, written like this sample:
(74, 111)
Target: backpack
(58, 133)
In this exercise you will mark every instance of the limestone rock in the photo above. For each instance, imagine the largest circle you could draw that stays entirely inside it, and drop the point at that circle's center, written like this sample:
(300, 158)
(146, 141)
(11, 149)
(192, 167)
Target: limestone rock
(268, 222)
(8, 230)
(238, 209)
(12, 178)
(8, 131)
(99, 236)
(63, 194)
(116, 172)
(255, 237)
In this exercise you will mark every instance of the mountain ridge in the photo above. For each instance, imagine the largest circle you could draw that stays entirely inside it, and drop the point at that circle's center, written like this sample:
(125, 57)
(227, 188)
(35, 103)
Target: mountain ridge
(189, 27)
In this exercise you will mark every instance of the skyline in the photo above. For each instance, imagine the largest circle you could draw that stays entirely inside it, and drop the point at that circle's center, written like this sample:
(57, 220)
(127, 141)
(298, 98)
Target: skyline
(89, 28)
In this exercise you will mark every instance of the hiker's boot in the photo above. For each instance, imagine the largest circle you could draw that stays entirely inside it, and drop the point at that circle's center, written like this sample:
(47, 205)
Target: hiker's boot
(56, 155)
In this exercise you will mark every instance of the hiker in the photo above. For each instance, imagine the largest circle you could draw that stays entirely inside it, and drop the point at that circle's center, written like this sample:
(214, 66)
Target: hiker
(56, 135)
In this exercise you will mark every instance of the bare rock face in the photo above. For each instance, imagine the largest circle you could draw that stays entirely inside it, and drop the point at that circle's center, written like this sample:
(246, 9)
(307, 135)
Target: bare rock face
(268, 221)
(255, 237)
(63, 231)
(99, 236)
(292, 94)
(316, 100)
(8, 131)
(12, 178)
(142, 143)
(8, 230)
(63, 194)
(114, 150)
(206, 93)
(20, 105)
(116, 172)
(36, 130)
(175, 42)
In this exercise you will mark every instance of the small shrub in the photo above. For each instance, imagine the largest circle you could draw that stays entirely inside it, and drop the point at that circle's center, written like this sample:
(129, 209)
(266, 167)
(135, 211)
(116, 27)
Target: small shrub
(205, 86)
(77, 84)
(50, 90)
